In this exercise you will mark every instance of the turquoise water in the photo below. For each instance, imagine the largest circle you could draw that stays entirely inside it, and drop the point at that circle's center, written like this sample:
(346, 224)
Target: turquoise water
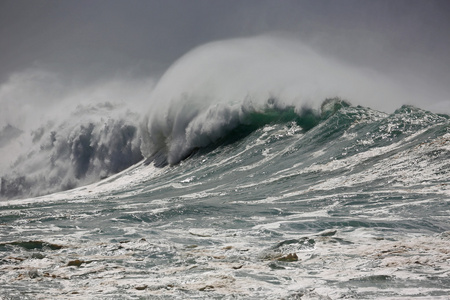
(356, 207)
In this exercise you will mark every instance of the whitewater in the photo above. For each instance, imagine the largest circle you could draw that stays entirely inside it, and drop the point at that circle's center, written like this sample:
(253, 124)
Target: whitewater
(260, 170)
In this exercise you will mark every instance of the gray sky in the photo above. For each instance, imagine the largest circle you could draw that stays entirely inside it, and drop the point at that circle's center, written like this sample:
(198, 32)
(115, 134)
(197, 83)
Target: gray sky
(91, 39)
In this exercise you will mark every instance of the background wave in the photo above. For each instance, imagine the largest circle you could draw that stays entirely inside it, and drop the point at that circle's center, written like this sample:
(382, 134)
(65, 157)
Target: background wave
(88, 147)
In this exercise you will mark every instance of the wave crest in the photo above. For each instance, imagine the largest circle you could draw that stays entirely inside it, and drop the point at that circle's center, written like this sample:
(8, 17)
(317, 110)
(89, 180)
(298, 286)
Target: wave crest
(170, 138)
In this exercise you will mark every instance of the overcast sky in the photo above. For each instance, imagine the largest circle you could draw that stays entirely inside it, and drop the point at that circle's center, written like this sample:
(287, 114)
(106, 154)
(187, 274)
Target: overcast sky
(88, 39)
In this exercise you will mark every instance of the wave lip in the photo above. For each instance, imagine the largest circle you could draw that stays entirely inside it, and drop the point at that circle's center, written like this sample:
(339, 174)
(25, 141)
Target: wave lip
(172, 138)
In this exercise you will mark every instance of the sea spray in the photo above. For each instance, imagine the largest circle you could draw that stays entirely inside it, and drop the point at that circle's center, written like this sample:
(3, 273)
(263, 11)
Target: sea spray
(214, 89)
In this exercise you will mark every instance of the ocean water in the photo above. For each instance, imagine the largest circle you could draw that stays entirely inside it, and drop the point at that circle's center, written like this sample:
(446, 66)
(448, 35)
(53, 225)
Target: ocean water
(352, 203)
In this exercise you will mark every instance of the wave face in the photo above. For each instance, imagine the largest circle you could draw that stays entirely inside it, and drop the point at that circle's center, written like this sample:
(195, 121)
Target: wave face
(354, 148)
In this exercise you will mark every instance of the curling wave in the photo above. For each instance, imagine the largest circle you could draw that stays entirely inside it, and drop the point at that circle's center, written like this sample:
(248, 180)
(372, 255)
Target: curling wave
(216, 94)
(178, 134)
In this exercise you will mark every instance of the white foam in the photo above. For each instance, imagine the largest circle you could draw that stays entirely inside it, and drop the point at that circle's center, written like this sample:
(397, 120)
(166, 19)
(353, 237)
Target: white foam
(122, 182)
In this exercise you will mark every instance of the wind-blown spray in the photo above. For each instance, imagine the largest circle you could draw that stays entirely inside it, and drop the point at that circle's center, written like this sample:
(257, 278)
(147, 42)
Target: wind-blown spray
(214, 88)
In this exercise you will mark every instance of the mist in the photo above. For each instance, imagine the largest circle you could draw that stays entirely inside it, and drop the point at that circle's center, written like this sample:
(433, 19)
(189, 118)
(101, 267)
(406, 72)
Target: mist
(80, 79)
(69, 135)
(84, 42)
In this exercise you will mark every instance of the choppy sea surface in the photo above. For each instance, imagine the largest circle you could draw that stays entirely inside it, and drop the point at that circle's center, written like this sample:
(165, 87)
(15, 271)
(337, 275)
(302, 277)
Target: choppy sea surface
(356, 207)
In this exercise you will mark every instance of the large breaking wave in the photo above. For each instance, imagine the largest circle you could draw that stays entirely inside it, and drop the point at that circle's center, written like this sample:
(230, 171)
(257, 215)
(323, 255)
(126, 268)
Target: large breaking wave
(172, 139)
(220, 86)
(216, 94)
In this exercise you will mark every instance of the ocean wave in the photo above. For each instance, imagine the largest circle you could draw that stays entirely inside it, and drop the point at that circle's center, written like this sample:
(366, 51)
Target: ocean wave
(226, 87)
(70, 154)
(214, 95)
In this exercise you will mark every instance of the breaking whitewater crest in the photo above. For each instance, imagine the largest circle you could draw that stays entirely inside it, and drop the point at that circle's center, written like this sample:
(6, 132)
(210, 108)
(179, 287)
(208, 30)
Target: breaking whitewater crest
(74, 153)
(176, 136)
